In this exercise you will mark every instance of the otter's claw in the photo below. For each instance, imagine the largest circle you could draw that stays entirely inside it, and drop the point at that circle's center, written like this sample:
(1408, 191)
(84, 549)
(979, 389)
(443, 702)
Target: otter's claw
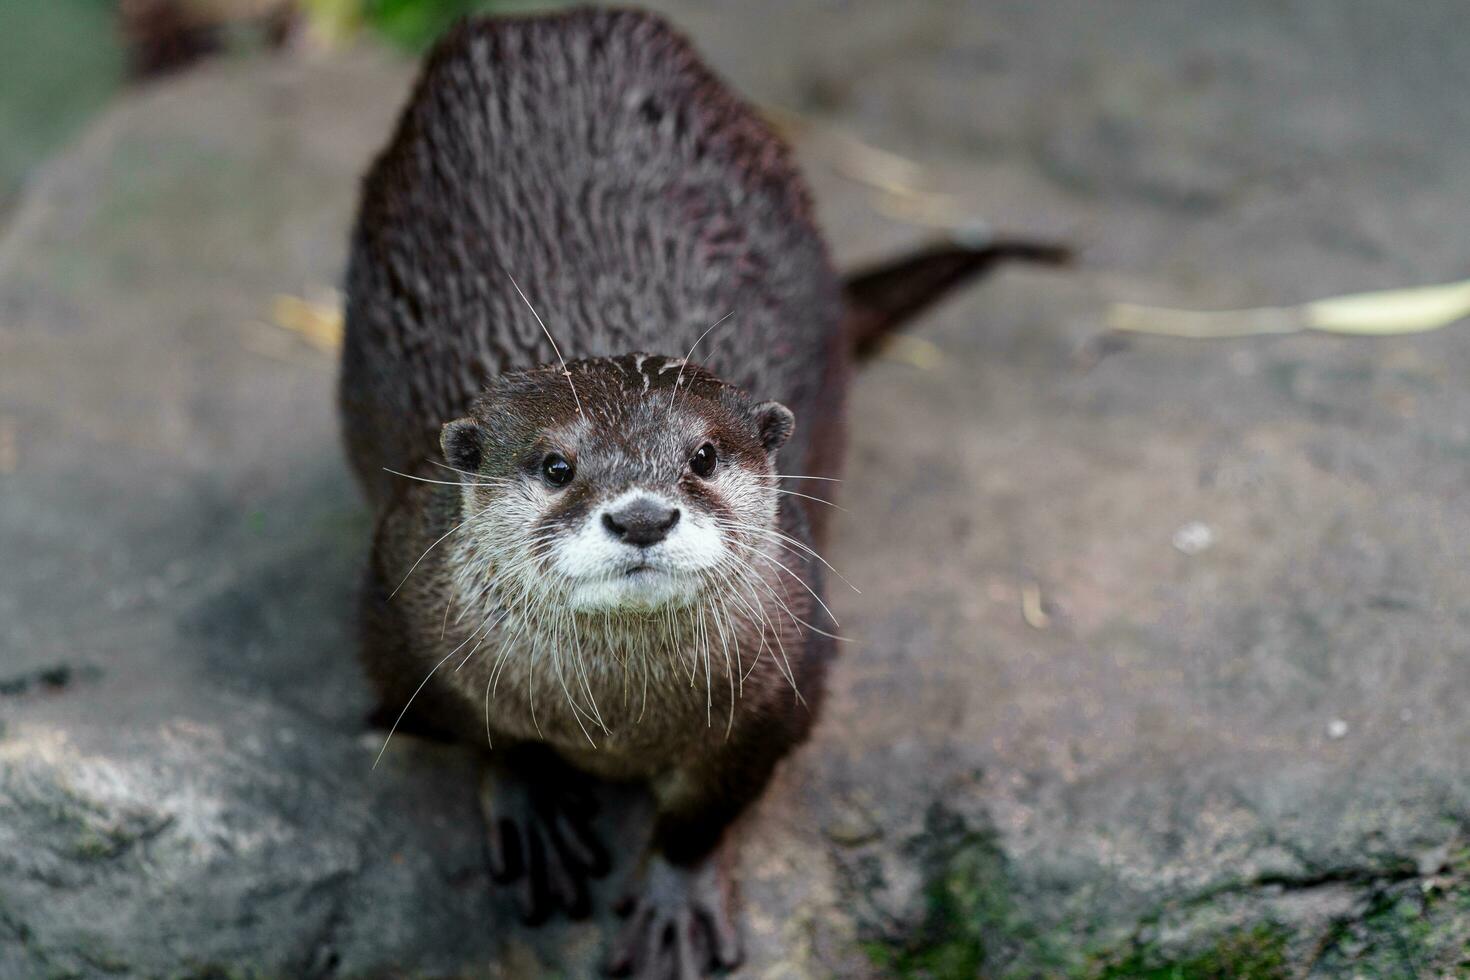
(541, 840)
(679, 926)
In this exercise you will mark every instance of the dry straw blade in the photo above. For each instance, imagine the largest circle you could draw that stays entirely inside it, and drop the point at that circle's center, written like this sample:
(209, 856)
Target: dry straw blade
(1379, 313)
(851, 156)
(318, 323)
(1393, 310)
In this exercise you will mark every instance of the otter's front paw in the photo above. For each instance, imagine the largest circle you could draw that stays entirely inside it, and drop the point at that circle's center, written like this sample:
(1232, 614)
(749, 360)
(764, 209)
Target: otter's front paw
(678, 926)
(542, 840)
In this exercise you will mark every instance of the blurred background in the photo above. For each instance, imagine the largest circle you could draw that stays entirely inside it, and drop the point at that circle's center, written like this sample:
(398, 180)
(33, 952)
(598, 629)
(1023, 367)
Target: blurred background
(1161, 660)
(63, 61)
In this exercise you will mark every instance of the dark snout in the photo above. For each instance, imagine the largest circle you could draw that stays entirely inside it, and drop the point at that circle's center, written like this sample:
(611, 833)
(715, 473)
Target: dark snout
(643, 522)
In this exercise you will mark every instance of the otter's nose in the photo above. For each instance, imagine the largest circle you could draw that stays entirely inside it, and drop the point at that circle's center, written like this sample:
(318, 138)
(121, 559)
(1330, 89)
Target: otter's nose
(643, 523)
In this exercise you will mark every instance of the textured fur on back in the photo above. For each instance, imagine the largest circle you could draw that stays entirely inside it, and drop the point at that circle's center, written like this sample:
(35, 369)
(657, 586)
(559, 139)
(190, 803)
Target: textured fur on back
(594, 159)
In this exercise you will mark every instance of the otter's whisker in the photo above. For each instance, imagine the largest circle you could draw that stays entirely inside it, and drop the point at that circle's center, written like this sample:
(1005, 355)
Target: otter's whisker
(415, 694)
(807, 496)
(758, 651)
(748, 581)
(442, 483)
(752, 606)
(489, 738)
(476, 632)
(668, 623)
(549, 337)
(480, 593)
(531, 693)
(582, 671)
(709, 707)
(571, 702)
(802, 623)
(762, 556)
(777, 536)
(538, 547)
(549, 647)
(791, 615)
(431, 548)
(727, 573)
(481, 640)
(680, 376)
(498, 665)
(723, 577)
(797, 543)
(783, 663)
(514, 603)
(729, 673)
(593, 716)
(492, 683)
(692, 646)
(475, 479)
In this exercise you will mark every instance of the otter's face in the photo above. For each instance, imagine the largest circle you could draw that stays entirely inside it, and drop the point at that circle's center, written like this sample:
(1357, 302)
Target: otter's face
(630, 494)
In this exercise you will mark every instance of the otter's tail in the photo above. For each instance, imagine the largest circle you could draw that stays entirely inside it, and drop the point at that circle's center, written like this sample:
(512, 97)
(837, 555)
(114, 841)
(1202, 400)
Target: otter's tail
(882, 298)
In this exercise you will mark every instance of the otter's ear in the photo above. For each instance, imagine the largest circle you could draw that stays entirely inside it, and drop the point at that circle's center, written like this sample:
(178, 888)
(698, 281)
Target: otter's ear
(774, 422)
(463, 443)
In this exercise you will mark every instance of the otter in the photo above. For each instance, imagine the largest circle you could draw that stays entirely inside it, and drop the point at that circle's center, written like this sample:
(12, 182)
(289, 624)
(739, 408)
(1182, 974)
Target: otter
(593, 387)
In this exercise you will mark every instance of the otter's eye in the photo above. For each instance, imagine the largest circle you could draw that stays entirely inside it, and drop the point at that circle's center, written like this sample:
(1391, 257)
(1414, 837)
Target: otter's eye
(557, 470)
(703, 461)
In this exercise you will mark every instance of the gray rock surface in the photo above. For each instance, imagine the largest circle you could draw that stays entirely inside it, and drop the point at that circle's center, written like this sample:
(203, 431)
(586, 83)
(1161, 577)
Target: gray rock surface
(1248, 760)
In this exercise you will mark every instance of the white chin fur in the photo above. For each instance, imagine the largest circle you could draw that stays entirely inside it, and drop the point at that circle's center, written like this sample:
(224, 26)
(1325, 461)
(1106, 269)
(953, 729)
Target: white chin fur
(642, 591)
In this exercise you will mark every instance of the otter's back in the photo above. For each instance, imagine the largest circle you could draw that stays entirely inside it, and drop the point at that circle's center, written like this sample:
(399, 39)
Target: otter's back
(593, 158)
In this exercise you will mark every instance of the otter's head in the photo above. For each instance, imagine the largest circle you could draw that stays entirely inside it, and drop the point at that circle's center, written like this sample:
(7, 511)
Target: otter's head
(609, 488)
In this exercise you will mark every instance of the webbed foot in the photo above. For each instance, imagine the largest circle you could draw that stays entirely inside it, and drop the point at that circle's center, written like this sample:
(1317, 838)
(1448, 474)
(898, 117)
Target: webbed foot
(678, 926)
(541, 838)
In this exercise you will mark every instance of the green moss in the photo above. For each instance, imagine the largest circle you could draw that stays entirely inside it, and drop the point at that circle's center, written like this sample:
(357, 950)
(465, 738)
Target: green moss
(950, 943)
(1413, 929)
(90, 845)
(104, 960)
(972, 925)
(1247, 954)
(414, 24)
(981, 919)
(215, 971)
